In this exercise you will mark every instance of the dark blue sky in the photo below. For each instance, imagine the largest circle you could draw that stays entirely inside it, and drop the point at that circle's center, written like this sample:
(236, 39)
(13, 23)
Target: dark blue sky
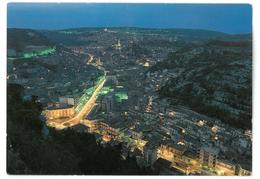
(230, 18)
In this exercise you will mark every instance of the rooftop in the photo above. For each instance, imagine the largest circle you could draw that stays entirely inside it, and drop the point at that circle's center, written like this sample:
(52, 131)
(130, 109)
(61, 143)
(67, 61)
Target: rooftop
(59, 106)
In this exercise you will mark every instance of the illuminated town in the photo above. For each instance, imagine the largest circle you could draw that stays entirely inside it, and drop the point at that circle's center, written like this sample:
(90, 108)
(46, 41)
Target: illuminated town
(117, 84)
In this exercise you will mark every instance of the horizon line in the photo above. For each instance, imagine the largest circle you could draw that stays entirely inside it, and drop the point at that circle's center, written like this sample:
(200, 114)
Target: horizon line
(138, 27)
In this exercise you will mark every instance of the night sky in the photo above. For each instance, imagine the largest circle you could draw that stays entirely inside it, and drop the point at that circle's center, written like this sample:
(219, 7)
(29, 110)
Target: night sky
(229, 18)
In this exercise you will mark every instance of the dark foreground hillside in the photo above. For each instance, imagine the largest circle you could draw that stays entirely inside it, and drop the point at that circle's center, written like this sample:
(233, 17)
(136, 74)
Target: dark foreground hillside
(62, 152)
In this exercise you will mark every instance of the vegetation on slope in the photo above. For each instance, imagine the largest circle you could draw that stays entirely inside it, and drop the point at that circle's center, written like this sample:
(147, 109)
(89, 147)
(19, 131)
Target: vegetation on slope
(62, 152)
(215, 79)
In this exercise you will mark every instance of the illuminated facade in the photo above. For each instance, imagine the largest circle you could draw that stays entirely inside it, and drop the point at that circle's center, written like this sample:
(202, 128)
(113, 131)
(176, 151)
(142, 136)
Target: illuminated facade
(60, 111)
(208, 156)
(242, 171)
(92, 124)
(107, 130)
(225, 168)
(140, 144)
(165, 152)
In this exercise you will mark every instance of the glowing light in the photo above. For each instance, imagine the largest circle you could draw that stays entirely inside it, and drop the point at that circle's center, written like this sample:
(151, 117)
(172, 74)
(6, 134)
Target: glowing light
(146, 64)
(181, 143)
(121, 96)
(105, 90)
(214, 129)
(39, 53)
(106, 138)
(172, 114)
(200, 123)
(70, 32)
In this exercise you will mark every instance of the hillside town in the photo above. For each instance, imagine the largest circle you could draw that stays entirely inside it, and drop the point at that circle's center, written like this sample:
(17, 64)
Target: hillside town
(112, 88)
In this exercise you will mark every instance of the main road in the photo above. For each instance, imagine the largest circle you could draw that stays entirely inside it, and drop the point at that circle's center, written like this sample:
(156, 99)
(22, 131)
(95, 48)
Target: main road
(84, 111)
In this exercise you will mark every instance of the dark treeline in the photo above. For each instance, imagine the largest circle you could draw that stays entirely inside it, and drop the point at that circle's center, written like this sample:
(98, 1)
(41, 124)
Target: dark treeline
(63, 152)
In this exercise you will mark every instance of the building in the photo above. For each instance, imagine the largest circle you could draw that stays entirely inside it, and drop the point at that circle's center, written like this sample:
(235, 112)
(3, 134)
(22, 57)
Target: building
(91, 124)
(243, 170)
(189, 157)
(107, 129)
(225, 168)
(136, 135)
(107, 103)
(164, 167)
(112, 79)
(248, 133)
(59, 110)
(208, 156)
(171, 151)
(118, 46)
(67, 100)
(150, 153)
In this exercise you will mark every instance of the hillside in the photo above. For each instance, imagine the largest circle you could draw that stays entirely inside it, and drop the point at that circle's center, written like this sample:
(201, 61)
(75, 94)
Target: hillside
(18, 39)
(214, 79)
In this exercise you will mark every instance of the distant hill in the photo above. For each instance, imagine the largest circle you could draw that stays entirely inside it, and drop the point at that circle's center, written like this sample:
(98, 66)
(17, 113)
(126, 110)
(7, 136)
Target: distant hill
(79, 36)
(68, 37)
(18, 39)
